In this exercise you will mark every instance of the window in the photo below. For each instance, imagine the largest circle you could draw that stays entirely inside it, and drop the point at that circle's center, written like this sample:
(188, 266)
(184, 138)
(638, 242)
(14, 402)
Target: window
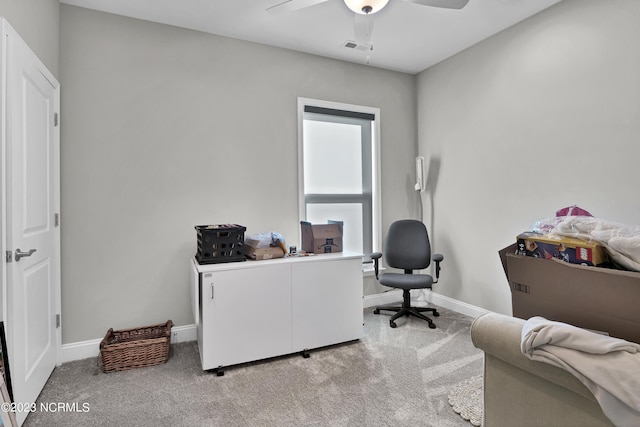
(339, 170)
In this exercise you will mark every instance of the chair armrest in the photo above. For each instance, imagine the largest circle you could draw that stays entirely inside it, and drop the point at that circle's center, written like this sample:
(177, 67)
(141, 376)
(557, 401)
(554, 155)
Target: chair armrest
(437, 258)
(375, 257)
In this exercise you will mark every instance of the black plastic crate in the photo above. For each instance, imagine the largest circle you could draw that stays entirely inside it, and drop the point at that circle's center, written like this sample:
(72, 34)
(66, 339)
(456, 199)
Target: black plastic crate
(220, 243)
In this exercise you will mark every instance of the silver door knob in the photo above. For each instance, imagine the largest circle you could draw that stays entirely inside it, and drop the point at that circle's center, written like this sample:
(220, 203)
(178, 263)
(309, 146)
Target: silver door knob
(20, 254)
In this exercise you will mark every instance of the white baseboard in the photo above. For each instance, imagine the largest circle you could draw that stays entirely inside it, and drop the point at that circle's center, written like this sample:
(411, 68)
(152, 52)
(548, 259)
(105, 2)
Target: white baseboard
(455, 305)
(79, 350)
(428, 296)
(382, 298)
(86, 349)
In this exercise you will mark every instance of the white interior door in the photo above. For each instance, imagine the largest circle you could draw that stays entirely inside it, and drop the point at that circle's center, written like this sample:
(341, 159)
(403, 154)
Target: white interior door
(33, 273)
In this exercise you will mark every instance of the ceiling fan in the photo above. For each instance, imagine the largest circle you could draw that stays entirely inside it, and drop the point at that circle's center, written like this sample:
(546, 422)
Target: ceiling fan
(364, 10)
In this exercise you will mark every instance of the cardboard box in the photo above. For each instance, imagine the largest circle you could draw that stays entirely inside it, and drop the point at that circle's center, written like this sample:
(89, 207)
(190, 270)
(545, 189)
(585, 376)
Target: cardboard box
(321, 238)
(252, 250)
(575, 251)
(596, 298)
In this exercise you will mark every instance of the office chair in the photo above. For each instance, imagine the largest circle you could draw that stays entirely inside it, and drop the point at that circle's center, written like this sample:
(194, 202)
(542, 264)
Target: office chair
(407, 248)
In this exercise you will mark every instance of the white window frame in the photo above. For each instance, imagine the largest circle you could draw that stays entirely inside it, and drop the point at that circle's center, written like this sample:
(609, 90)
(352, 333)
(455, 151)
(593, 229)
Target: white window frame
(376, 210)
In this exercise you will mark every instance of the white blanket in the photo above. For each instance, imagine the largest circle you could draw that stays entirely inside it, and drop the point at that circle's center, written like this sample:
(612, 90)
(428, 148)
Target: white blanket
(622, 241)
(608, 367)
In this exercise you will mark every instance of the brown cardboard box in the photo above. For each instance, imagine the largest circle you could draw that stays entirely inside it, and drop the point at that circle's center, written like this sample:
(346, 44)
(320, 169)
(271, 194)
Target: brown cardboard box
(321, 238)
(594, 298)
(252, 251)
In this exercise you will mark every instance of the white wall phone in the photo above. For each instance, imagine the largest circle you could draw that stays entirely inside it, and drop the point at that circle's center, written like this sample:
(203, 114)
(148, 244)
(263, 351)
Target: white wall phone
(420, 176)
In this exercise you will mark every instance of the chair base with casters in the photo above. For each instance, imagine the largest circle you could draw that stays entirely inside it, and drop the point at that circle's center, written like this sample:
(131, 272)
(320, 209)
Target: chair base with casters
(407, 310)
(408, 249)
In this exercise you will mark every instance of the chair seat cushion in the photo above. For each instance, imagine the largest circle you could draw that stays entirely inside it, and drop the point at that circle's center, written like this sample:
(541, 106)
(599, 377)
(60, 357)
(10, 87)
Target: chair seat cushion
(406, 281)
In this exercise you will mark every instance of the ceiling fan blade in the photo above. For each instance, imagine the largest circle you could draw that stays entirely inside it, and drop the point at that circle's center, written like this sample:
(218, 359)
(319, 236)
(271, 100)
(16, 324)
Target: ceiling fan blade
(447, 4)
(291, 5)
(363, 29)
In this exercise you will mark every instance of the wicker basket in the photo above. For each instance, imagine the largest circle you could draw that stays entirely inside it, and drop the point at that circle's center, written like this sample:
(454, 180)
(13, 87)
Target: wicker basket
(135, 348)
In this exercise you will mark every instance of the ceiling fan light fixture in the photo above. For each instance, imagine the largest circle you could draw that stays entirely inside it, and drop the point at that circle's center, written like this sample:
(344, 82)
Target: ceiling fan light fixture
(366, 7)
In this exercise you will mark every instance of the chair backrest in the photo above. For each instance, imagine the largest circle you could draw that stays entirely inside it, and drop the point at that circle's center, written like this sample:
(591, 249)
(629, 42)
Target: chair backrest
(407, 246)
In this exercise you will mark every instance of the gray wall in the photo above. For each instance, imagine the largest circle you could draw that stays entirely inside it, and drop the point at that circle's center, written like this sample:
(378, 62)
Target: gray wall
(166, 128)
(37, 22)
(541, 116)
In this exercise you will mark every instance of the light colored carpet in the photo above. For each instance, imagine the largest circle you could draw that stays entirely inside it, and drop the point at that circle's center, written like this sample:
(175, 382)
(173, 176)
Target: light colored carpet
(392, 377)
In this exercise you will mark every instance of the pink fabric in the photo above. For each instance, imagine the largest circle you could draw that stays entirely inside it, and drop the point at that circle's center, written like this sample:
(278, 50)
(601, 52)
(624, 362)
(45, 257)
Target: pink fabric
(572, 211)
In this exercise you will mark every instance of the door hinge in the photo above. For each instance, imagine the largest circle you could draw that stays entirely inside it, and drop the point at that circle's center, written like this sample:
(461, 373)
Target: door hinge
(56, 219)
(57, 320)
(55, 119)
(8, 256)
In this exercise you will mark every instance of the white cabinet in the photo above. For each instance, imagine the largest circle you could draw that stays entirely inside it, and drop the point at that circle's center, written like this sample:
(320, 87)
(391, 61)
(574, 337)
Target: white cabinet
(326, 303)
(246, 315)
(254, 310)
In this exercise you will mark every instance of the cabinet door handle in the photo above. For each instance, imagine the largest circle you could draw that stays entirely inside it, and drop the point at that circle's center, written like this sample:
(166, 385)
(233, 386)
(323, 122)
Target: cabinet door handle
(212, 291)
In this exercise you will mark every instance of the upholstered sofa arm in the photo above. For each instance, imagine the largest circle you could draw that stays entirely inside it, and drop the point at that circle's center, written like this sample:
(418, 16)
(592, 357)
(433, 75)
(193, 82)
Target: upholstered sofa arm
(500, 336)
(521, 391)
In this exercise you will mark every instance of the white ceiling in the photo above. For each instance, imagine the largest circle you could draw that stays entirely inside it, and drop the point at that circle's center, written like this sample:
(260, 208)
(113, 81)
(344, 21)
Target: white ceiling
(407, 37)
